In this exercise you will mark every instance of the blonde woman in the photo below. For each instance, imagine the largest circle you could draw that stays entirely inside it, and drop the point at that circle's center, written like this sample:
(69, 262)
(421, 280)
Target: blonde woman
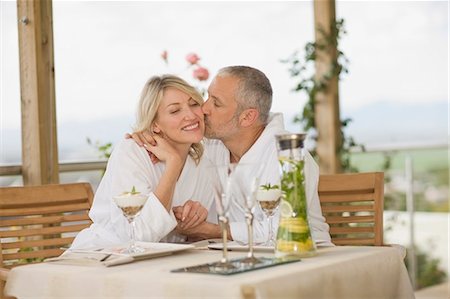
(171, 109)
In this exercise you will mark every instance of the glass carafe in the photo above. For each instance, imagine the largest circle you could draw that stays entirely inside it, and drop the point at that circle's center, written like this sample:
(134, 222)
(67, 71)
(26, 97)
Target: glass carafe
(294, 234)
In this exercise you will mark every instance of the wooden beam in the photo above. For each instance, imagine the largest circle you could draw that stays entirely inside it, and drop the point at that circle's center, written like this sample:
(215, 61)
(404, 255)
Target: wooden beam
(327, 101)
(37, 88)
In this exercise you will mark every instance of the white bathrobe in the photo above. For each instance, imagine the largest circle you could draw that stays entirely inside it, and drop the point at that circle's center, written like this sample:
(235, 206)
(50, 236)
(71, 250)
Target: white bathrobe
(264, 153)
(128, 166)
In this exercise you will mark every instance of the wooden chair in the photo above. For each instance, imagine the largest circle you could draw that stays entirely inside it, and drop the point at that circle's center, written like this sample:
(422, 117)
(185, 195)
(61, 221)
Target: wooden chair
(36, 221)
(353, 207)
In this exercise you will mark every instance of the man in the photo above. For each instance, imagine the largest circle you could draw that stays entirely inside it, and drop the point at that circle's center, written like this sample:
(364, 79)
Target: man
(240, 129)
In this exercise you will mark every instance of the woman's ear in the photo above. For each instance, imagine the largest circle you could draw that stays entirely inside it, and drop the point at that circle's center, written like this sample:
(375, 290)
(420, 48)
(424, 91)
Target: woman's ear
(248, 117)
(156, 129)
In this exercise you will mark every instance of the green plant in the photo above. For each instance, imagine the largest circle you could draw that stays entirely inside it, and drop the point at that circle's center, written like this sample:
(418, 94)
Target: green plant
(428, 271)
(103, 149)
(268, 186)
(302, 69)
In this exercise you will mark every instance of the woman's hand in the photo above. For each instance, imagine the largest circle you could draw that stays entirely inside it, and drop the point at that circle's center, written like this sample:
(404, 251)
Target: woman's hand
(191, 214)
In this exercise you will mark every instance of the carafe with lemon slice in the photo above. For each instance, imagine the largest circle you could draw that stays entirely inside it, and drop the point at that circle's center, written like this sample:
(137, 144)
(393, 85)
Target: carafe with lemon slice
(294, 235)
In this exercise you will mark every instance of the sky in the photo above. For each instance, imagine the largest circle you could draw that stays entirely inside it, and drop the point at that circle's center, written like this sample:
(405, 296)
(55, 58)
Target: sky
(105, 51)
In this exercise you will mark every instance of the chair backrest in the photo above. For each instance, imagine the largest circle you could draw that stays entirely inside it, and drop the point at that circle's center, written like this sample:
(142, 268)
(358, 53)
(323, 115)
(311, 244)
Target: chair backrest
(36, 221)
(353, 207)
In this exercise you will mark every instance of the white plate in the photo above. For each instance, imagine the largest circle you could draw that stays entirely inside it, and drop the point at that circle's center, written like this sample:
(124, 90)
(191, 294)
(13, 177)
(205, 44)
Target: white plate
(111, 256)
(234, 246)
(152, 249)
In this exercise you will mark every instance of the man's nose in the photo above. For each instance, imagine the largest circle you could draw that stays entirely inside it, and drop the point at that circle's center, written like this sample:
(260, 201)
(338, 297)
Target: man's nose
(206, 107)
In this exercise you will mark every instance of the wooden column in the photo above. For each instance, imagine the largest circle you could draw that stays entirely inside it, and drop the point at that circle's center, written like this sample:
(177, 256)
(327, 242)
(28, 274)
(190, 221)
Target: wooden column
(37, 88)
(327, 102)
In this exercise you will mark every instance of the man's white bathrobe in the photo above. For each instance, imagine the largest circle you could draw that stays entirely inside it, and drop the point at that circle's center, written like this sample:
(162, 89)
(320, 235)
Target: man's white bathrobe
(264, 153)
(128, 166)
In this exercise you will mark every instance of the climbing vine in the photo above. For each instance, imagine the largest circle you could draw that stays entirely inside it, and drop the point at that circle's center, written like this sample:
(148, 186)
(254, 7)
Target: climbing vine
(302, 70)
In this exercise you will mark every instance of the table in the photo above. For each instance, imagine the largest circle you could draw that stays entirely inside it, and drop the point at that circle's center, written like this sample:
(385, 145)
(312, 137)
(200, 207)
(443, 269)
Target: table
(336, 272)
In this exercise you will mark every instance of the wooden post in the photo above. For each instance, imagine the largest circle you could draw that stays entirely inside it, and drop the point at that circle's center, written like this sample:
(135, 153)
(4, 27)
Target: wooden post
(37, 88)
(327, 101)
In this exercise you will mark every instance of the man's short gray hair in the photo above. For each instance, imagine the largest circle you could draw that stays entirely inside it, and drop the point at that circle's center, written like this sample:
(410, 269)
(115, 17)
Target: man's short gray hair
(254, 89)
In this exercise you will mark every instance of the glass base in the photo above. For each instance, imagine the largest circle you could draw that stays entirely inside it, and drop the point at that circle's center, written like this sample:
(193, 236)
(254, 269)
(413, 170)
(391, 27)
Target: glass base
(223, 266)
(269, 243)
(238, 266)
(250, 260)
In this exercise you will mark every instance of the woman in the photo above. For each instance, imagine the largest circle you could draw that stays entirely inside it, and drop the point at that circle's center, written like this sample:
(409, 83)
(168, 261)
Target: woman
(171, 109)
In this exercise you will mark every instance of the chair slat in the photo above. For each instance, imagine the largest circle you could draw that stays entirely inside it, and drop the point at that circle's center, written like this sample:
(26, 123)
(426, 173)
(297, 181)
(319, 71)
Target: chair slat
(354, 241)
(343, 197)
(347, 208)
(349, 219)
(33, 254)
(28, 220)
(43, 231)
(44, 210)
(39, 243)
(348, 182)
(350, 230)
(355, 199)
(44, 194)
(34, 218)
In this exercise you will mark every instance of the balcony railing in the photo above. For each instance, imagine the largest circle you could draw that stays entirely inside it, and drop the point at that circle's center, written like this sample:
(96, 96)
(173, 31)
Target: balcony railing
(63, 167)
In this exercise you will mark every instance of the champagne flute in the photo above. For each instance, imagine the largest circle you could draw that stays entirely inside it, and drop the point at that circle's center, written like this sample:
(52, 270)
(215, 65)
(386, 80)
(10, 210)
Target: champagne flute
(269, 198)
(221, 176)
(246, 183)
(131, 204)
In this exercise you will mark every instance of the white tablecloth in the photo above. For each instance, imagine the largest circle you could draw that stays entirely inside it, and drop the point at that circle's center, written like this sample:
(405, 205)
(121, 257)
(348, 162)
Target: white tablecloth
(336, 272)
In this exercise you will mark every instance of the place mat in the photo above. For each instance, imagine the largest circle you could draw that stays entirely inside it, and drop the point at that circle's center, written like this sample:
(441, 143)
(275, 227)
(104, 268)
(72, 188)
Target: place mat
(112, 256)
(214, 268)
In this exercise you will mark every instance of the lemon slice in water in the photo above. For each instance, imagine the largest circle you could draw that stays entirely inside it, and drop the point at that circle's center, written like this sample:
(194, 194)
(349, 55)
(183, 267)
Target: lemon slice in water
(285, 209)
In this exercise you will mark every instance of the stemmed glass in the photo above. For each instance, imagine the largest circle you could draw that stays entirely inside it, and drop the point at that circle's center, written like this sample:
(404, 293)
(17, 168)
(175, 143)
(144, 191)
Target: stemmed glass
(246, 184)
(221, 177)
(269, 198)
(131, 206)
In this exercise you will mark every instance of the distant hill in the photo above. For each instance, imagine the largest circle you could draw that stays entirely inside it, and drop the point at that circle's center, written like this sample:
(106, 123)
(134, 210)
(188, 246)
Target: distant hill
(390, 124)
(378, 124)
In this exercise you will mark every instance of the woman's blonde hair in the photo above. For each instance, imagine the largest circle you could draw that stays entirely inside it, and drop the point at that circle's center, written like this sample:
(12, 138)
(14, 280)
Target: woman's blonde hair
(151, 98)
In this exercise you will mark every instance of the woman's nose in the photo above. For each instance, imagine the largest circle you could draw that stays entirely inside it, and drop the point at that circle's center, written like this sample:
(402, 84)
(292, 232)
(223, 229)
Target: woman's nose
(190, 113)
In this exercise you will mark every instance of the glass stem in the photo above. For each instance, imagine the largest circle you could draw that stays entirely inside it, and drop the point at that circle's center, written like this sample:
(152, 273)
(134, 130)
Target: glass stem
(133, 234)
(223, 224)
(249, 217)
(270, 230)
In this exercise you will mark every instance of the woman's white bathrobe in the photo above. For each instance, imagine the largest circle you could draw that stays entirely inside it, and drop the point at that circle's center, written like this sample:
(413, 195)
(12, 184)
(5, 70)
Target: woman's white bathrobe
(264, 153)
(128, 166)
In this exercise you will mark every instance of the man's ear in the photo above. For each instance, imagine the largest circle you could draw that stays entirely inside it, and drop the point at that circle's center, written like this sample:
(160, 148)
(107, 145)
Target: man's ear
(248, 117)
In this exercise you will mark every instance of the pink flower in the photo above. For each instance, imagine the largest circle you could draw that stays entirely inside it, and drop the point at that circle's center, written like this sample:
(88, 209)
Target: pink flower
(200, 73)
(192, 58)
(164, 56)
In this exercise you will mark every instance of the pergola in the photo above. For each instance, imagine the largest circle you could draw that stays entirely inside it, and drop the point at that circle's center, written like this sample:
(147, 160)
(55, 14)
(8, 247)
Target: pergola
(40, 163)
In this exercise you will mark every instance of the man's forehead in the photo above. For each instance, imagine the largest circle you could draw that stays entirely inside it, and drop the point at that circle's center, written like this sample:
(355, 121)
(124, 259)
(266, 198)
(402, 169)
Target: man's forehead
(223, 85)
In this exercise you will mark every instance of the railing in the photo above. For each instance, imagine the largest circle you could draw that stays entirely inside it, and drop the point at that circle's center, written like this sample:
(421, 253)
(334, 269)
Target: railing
(63, 167)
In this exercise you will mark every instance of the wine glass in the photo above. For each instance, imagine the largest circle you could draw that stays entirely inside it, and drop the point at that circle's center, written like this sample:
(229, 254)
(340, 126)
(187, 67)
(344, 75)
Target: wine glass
(246, 184)
(221, 177)
(131, 205)
(269, 198)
